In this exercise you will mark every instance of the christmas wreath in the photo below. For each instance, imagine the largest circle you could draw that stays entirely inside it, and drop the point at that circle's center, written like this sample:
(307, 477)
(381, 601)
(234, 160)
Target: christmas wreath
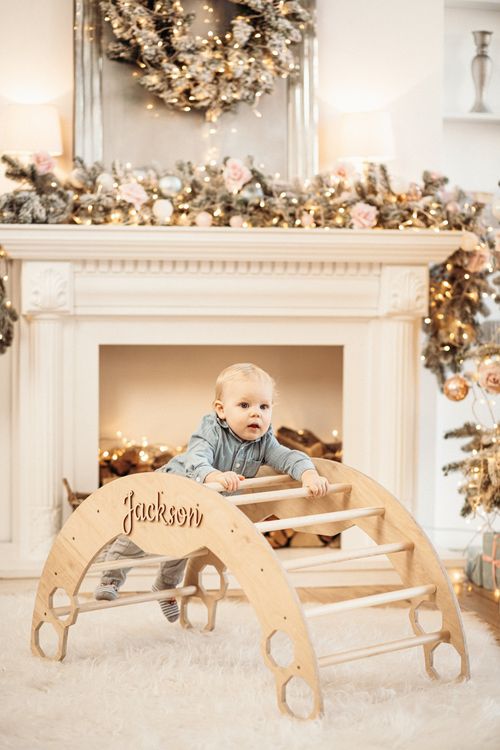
(212, 73)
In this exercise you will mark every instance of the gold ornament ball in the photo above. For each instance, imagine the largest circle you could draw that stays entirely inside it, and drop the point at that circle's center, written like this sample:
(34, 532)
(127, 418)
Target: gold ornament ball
(456, 388)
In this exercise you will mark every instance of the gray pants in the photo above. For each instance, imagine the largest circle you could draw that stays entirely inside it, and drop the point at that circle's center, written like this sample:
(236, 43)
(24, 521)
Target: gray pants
(169, 574)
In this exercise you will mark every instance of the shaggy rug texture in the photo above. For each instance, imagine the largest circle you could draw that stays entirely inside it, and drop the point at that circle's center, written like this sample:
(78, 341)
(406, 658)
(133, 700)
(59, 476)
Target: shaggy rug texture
(132, 681)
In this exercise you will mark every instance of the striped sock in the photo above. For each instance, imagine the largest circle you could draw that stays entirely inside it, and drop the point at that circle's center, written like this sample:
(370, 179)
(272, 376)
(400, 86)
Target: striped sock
(169, 607)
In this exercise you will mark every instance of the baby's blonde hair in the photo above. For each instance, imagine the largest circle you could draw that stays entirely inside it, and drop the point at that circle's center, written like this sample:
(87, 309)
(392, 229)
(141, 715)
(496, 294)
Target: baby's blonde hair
(241, 371)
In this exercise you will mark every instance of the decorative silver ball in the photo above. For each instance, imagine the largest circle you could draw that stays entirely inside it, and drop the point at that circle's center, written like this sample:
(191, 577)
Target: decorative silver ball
(252, 192)
(169, 185)
(106, 182)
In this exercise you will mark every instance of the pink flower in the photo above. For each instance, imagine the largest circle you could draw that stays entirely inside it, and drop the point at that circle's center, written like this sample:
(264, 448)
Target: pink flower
(489, 375)
(343, 170)
(132, 192)
(452, 207)
(363, 216)
(204, 219)
(235, 175)
(478, 260)
(236, 221)
(44, 162)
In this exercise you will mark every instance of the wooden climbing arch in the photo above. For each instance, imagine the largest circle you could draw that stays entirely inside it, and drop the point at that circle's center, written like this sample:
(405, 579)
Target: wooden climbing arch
(173, 517)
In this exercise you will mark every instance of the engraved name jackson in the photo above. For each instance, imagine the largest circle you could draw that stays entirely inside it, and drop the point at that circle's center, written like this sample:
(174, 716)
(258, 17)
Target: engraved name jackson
(170, 515)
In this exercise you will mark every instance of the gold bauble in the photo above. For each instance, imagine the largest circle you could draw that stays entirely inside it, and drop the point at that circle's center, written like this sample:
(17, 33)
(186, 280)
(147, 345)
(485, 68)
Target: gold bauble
(456, 388)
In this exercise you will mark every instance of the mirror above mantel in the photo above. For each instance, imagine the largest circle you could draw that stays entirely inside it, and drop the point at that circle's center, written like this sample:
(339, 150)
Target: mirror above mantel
(115, 118)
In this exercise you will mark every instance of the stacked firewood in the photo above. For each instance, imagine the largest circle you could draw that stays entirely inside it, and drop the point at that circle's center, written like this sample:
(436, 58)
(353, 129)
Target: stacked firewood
(132, 459)
(308, 442)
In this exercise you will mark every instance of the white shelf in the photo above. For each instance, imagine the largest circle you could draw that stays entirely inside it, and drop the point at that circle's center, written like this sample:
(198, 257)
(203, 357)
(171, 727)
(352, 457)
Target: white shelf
(476, 117)
(474, 4)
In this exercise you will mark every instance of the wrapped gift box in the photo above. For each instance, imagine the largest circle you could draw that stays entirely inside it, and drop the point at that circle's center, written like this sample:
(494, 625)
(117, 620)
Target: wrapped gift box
(491, 560)
(474, 566)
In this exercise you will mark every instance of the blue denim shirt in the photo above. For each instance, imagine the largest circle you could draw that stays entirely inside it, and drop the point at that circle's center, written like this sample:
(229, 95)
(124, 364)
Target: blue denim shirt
(215, 447)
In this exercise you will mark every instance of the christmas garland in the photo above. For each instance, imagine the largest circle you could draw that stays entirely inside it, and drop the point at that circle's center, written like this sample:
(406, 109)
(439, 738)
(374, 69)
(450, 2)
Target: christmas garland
(234, 193)
(457, 292)
(212, 73)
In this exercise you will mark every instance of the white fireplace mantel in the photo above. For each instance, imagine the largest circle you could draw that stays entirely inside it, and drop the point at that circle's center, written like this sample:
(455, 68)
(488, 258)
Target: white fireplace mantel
(81, 287)
(70, 243)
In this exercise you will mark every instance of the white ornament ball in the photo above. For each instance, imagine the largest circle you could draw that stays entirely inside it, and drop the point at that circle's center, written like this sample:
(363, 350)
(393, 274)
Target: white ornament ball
(169, 185)
(236, 221)
(163, 210)
(204, 219)
(106, 182)
(469, 241)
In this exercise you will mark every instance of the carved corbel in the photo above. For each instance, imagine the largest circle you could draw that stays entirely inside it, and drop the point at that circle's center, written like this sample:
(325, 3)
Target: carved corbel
(47, 289)
(404, 291)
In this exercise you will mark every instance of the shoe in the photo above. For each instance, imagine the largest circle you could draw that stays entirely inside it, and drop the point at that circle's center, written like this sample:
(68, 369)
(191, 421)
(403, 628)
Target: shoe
(169, 607)
(108, 591)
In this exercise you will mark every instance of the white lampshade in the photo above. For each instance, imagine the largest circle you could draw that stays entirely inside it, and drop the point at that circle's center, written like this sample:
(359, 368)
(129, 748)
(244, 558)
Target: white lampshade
(28, 128)
(367, 136)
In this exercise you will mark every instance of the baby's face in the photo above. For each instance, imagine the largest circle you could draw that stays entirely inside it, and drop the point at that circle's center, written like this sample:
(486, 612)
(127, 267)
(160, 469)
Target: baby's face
(247, 406)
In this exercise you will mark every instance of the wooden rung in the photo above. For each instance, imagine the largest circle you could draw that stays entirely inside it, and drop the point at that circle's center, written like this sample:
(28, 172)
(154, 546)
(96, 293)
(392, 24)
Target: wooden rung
(383, 648)
(371, 601)
(248, 484)
(125, 599)
(298, 521)
(314, 561)
(264, 497)
(139, 562)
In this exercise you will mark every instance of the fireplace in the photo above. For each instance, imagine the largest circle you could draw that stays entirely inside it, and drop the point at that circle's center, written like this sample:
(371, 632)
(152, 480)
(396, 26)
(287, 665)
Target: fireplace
(87, 293)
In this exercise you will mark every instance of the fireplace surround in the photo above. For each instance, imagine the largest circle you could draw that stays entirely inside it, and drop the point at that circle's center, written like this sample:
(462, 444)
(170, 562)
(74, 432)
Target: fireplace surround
(79, 288)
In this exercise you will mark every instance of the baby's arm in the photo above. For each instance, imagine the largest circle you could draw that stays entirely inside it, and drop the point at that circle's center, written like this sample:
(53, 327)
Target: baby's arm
(298, 465)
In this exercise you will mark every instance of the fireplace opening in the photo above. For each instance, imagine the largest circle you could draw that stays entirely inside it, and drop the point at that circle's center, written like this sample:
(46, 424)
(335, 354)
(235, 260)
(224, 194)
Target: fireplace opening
(151, 398)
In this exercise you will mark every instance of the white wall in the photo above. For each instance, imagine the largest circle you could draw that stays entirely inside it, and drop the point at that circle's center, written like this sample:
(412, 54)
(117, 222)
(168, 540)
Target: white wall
(383, 55)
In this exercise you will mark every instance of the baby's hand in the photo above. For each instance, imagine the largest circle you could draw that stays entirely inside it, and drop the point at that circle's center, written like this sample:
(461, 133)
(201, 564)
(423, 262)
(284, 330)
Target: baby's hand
(229, 479)
(316, 485)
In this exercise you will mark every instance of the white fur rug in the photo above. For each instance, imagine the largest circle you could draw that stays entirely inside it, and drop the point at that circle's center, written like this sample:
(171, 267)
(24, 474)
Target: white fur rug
(131, 681)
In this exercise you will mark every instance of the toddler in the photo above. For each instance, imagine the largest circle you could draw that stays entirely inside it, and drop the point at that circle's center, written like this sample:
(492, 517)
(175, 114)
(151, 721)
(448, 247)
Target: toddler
(230, 444)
